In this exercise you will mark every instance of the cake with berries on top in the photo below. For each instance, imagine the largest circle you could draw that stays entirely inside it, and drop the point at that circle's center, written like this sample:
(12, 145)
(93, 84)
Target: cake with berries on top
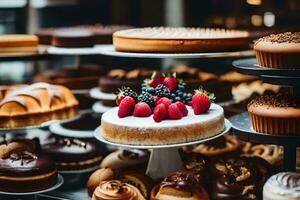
(164, 113)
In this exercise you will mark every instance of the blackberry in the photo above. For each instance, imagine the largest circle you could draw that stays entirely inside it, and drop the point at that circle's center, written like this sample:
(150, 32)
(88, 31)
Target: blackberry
(147, 98)
(127, 91)
(162, 91)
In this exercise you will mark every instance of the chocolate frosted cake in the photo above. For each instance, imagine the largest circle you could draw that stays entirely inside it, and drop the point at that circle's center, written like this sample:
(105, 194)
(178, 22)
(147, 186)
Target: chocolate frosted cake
(279, 51)
(71, 153)
(24, 169)
(275, 114)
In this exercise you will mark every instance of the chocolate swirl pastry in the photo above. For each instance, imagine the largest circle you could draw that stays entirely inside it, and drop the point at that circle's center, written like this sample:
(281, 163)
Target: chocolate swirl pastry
(118, 78)
(126, 160)
(23, 169)
(221, 146)
(117, 190)
(181, 184)
(72, 153)
(282, 186)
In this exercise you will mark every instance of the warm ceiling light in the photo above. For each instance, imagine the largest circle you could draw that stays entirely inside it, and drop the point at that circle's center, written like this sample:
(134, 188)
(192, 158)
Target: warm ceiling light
(254, 2)
(269, 19)
(256, 20)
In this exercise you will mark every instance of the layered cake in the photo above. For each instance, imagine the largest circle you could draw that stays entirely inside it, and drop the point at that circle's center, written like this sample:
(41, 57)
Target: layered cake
(24, 169)
(282, 186)
(72, 153)
(117, 78)
(37, 103)
(179, 40)
(73, 38)
(155, 117)
(18, 44)
(279, 51)
(275, 114)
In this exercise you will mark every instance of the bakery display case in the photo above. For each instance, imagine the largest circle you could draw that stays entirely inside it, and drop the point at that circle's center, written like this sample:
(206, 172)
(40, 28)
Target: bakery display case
(149, 100)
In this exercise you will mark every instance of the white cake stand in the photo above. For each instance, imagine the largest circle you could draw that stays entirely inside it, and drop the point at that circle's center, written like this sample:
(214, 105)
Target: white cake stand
(31, 195)
(109, 50)
(98, 107)
(164, 159)
(97, 94)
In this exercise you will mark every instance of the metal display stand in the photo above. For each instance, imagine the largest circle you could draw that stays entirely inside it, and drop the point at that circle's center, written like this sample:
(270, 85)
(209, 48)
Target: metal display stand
(241, 124)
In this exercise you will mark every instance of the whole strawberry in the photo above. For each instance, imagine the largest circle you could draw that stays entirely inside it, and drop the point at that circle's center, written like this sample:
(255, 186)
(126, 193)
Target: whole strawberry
(155, 80)
(171, 82)
(160, 113)
(126, 107)
(201, 101)
(124, 92)
(142, 109)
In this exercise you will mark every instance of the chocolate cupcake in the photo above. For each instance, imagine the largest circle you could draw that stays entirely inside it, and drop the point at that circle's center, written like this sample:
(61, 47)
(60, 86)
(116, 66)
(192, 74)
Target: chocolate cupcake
(280, 51)
(71, 153)
(282, 186)
(275, 114)
(24, 169)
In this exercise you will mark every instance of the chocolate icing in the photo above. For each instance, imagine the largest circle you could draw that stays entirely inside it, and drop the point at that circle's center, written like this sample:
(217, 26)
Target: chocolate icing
(63, 149)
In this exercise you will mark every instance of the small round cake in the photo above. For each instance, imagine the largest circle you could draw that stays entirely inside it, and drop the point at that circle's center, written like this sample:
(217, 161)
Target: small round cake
(282, 186)
(275, 114)
(280, 51)
(179, 40)
(18, 43)
(145, 131)
(72, 153)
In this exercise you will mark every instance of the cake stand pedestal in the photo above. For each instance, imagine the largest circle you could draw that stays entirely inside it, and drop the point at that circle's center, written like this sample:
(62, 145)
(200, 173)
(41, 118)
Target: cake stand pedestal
(164, 159)
(30, 195)
(241, 124)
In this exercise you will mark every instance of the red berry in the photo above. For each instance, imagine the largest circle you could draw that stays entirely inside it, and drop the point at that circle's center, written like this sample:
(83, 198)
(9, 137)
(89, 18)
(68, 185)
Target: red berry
(190, 103)
(160, 113)
(171, 83)
(156, 98)
(201, 103)
(174, 112)
(182, 108)
(142, 109)
(156, 81)
(119, 99)
(165, 101)
(126, 107)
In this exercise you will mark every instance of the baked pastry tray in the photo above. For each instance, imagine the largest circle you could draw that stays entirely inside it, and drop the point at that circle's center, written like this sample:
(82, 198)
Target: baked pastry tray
(109, 50)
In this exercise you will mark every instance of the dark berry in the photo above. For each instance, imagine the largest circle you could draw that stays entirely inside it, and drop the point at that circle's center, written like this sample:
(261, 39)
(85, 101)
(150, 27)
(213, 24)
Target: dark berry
(181, 87)
(147, 98)
(127, 91)
(162, 91)
(151, 90)
(177, 99)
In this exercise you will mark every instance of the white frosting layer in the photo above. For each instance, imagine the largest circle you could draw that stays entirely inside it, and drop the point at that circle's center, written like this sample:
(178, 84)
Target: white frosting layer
(180, 33)
(284, 184)
(111, 116)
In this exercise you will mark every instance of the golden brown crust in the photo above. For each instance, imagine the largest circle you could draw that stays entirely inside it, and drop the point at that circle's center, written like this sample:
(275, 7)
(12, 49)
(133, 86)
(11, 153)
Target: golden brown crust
(128, 135)
(27, 184)
(18, 40)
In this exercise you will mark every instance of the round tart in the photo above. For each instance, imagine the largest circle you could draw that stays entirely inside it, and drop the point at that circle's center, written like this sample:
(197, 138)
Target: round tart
(71, 153)
(179, 40)
(280, 51)
(145, 131)
(37, 103)
(282, 186)
(275, 114)
(23, 169)
(18, 44)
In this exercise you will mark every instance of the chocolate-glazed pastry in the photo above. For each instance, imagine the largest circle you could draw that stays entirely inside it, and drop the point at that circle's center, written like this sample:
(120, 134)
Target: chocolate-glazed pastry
(181, 184)
(117, 190)
(23, 169)
(282, 186)
(126, 160)
(72, 153)
(275, 114)
(222, 146)
(118, 78)
(280, 51)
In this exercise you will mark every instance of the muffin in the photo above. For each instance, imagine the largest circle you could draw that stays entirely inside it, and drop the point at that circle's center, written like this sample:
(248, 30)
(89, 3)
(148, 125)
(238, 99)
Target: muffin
(282, 186)
(279, 51)
(275, 114)
(23, 168)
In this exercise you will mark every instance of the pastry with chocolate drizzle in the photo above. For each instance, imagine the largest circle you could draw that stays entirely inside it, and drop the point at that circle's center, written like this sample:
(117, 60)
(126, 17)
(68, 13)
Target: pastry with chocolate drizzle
(24, 169)
(72, 153)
